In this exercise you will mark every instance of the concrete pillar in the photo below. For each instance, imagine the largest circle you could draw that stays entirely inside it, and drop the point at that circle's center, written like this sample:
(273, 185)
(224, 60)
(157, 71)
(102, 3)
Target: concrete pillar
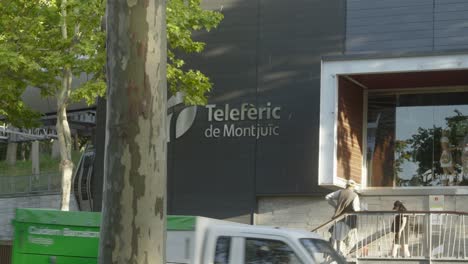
(11, 153)
(55, 149)
(35, 157)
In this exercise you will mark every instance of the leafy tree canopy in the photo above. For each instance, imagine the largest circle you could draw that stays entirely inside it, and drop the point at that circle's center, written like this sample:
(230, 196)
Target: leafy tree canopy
(34, 53)
(184, 17)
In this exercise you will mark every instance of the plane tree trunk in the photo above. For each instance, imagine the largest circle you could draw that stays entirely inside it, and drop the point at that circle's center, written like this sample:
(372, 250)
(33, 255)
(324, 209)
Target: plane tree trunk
(134, 206)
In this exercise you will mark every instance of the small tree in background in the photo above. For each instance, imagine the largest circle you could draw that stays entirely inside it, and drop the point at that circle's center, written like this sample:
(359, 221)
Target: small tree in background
(47, 43)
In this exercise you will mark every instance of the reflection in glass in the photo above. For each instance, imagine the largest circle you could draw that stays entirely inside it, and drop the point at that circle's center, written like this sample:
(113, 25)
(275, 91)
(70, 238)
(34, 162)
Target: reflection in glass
(322, 252)
(260, 251)
(380, 140)
(418, 139)
(414, 145)
(223, 245)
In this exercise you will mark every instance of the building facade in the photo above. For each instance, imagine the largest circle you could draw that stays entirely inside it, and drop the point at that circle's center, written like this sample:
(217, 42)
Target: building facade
(308, 94)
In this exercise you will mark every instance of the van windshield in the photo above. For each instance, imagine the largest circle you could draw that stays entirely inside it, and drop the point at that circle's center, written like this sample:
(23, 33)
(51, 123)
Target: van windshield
(322, 252)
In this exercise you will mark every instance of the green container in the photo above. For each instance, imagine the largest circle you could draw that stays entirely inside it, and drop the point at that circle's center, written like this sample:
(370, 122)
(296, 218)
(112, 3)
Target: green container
(61, 237)
(55, 237)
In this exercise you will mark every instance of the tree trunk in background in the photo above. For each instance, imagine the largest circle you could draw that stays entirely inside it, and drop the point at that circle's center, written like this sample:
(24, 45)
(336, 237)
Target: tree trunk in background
(24, 148)
(65, 140)
(76, 141)
(11, 153)
(55, 149)
(63, 128)
(35, 158)
(134, 208)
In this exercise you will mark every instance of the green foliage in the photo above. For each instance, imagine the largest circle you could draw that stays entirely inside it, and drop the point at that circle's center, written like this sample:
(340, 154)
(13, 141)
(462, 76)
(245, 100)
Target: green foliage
(15, 64)
(89, 91)
(12, 108)
(423, 146)
(33, 52)
(458, 127)
(402, 155)
(184, 17)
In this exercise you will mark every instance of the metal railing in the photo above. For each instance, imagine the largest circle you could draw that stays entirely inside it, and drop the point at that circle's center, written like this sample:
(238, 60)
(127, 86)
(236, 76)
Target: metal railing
(30, 184)
(426, 235)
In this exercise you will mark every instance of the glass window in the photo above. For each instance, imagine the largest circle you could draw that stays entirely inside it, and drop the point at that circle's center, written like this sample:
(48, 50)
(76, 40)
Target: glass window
(418, 139)
(264, 251)
(223, 247)
(322, 252)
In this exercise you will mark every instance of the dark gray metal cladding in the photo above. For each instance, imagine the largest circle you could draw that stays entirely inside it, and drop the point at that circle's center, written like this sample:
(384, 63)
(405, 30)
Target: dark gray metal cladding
(400, 26)
(270, 52)
(264, 52)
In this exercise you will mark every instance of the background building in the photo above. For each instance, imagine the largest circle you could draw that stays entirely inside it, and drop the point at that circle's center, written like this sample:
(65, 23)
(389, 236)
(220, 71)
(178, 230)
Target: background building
(310, 93)
(363, 90)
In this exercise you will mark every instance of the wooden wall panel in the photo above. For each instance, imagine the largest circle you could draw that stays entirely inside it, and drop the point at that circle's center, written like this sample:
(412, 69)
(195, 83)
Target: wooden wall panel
(383, 161)
(350, 130)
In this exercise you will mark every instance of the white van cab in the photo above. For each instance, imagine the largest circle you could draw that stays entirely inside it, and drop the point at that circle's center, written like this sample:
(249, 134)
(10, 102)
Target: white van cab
(199, 240)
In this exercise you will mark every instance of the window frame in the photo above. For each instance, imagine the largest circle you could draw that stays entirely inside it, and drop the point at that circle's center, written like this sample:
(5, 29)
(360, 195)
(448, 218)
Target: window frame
(334, 67)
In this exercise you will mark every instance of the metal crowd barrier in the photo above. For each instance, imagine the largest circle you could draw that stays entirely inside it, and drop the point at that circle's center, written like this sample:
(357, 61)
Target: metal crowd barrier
(427, 236)
(30, 184)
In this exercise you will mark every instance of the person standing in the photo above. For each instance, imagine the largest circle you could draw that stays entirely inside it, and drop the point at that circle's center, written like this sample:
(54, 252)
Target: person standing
(400, 228)
(344, 201)
(344, 232)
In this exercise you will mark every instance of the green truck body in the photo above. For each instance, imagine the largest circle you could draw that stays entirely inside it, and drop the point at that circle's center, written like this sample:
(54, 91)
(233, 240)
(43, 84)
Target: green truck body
(58, 237)
(50, 236)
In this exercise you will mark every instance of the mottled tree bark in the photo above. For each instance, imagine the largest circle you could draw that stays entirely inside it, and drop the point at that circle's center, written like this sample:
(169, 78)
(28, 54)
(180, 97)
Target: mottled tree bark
(134, 207)
(63, 128)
